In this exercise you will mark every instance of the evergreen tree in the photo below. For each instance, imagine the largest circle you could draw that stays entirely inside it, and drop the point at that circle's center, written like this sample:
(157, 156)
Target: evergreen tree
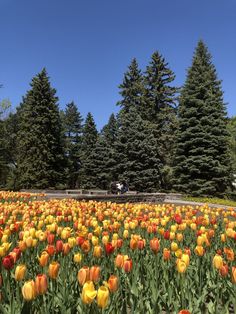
(109, 131)
(40, 159)
(159, 108)
(132, 88)
(102, 163)
(202, 163)
(87, 179)
(103, 155)
(137, 156)
(72, 124)
(232, 131)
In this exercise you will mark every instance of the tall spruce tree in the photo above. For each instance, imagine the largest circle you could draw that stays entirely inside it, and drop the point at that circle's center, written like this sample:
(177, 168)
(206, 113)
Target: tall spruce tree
(87, 179)
(109, 131)
(159, 108)
(132, 88)
(40, 159)
(202, 163)
(231, 125)
(103, 155)
(72, 125)
(137, 156)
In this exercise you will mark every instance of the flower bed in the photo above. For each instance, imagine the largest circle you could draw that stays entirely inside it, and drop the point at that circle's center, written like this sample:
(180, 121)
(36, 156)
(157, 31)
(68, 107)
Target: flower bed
(90, 257)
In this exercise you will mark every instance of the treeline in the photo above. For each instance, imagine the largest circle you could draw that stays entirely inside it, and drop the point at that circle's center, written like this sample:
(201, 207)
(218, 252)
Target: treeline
(163, 138)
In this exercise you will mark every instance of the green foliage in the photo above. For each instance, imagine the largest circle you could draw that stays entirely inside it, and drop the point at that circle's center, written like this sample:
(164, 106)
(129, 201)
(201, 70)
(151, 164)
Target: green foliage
(87, 179)
(202, 163)
(231, 126)
(72, 125)
(137, 156)
(40, 158)
(132, 88)
(160, 109)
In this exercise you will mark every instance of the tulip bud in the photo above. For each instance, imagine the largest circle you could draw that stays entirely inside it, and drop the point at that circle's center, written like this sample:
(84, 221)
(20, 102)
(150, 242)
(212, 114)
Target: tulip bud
(224, 270)
(53, 270)
(181, 266)
(66, 248)
(113, 283)
(8, 262)
(127, 265)
(217, 261)
(97, 251)
(166, 254)
(59, 246)
(20, 272)
(94, 273)
(77, 258)
(43, 259)
(41, 284)
(29, 290)
(154, 245)
(102, 297)
(174, 246)
(83, 275)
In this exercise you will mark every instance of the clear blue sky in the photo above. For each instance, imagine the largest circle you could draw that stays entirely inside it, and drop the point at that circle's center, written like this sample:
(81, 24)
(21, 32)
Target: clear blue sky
(87, 45)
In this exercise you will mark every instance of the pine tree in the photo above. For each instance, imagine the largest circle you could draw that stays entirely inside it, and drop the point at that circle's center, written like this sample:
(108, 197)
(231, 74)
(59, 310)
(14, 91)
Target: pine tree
(72, 125)
(137, 156)
(159, 108)
(109, 131)
(132, 88)
(40, 159)
(103, 163)
(231, 125)
(202, 163)
(87, 179)
(103, 155)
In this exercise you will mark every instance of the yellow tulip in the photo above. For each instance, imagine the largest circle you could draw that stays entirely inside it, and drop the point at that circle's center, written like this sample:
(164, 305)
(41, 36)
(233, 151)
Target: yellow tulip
(88, 292)
(217, 261)
(20, 272)
(77, 258)
(29, 290)
(181, 266)
(102, 296)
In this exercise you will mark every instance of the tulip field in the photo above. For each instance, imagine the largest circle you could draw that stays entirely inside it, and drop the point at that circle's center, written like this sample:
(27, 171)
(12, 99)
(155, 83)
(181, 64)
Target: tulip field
(68, 256)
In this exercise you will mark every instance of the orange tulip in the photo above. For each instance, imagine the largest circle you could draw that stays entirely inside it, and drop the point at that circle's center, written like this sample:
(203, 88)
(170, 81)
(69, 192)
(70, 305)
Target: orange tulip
(119, 261)
(113, 283)
(133, 244)
(43, 259)
(53, 270)
(83, 275)
(85, 246)
(166, 254)
(127, 265)
(229, 254)
(94, 273)
(41, 284)
(154, 245)
(66, 248)
(224, 270)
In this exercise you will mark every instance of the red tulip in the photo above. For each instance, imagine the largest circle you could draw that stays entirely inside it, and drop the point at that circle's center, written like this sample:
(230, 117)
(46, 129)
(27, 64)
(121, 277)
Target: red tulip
(109, 248)
(8, 262)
